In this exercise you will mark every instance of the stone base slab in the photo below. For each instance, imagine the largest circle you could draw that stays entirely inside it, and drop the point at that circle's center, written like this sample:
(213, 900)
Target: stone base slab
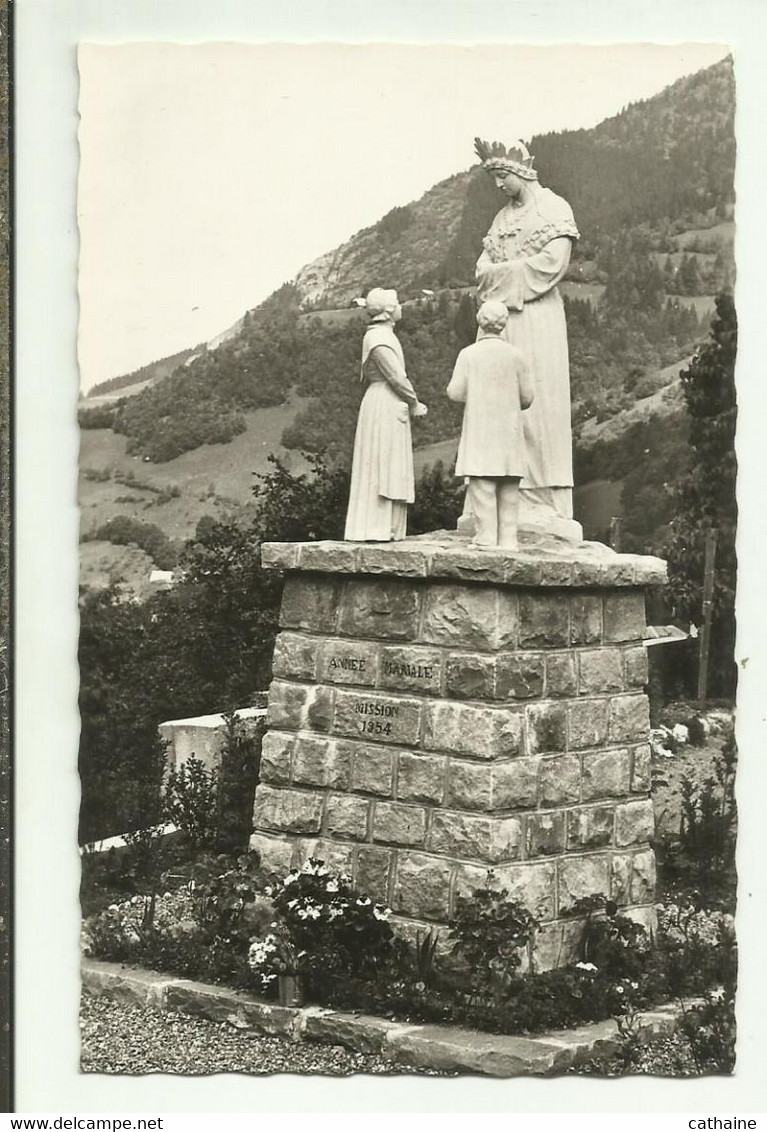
(444, 1048)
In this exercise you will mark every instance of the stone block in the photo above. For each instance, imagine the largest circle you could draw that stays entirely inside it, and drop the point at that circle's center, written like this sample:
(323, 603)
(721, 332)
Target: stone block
(646, 917)
(601, 670)
(545, 834)
(421, 886)
(279, 555)
(347, 816)
(561, 674)
(377, 716)
(532, 884)
(544, 620)
(464, 616)
(620, 878)
(557, 944)
(371, 876)
(585, 619)
(408, 668)
(392, 560)
(348, 662)
(397, 824)
(295, 656)
(579, 877)
(560, 780)
(481, 838)
(322, 762)
(469, 565)
(522, 571)
(641, 769)
(420, 778)
(471, 676)
(635, 666)
(606, 774)
(328, 557)
(519, 676)
(590, 827)
(469, 786)
(634, 823)
(546, 727)
(624, 616)
(385, 609)
(643, 877)
(515, 784)
(311, 603)
(320, 705)
(285, 709)
(629, 719)
(334, 854)
(289, 811)
(276, 853)
(373, 771)
(587, 722)
(480, 732)
(275, 758)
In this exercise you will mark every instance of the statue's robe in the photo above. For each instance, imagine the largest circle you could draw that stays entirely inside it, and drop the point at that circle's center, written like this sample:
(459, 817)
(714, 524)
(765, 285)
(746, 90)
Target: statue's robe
(527, 251)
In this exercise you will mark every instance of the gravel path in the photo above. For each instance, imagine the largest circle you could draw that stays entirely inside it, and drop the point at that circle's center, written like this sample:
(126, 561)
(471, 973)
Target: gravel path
(118, 1038)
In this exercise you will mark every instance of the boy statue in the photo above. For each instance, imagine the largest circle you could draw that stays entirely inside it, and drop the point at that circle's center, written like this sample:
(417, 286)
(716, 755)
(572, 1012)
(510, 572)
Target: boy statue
(492, 380)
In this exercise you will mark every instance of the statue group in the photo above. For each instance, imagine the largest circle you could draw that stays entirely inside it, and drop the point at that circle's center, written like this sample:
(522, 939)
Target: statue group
(516, 446)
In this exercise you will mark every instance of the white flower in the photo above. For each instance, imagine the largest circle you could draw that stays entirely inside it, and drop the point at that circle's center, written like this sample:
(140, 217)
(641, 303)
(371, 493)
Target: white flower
(586, 967)
(381, 914)
(619, 990)
(332, 885)
(364, 901)
(717, 995)
(292, 903)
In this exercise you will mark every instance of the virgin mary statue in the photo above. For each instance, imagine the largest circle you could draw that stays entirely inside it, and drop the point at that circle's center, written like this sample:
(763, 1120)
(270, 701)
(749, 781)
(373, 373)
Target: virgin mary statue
(525, 254)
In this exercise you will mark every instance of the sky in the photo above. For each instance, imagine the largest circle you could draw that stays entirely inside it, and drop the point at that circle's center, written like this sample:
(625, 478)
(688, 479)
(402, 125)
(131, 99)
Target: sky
(210, 174)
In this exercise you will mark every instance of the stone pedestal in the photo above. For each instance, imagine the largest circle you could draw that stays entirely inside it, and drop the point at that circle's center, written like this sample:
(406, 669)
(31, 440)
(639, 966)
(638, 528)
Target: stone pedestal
(438, 711)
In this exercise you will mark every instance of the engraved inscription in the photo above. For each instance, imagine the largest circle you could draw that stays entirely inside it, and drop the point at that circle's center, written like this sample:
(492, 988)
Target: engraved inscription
(384, 712)
(388, 719)
(415, 671)
(346, 663)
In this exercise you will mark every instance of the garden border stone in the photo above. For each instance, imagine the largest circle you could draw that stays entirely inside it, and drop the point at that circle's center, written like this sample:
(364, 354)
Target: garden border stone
(416, 1045)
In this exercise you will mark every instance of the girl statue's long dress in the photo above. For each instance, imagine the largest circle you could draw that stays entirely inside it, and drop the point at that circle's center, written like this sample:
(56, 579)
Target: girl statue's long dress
(382, 482)
(527, 251)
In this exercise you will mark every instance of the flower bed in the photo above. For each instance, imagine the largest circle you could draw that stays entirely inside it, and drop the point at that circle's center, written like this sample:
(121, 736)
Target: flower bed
(225, 922)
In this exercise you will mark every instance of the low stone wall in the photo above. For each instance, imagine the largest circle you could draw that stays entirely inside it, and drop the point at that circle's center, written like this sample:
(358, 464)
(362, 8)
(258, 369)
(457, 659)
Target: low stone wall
(425, 726)
(203, 736)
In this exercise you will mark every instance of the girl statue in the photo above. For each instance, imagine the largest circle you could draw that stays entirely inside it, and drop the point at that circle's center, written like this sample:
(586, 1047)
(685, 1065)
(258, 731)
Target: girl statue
(382, 481)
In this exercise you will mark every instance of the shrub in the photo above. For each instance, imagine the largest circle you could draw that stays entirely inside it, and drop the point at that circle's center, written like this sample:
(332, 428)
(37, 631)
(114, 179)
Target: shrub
(190, 802)
(488, 936)
(339, 928)
(238, 778)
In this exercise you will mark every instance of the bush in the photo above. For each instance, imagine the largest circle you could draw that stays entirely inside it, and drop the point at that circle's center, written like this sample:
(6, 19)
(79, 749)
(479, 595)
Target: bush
(488, 937)
(338, 928)
(190, 802)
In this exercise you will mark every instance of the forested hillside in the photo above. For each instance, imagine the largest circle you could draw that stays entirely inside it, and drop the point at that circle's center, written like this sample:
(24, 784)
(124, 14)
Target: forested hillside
(652, 191)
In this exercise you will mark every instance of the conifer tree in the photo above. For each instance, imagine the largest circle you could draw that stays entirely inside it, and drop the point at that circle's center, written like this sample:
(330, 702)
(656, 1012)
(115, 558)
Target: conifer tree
(705, 495)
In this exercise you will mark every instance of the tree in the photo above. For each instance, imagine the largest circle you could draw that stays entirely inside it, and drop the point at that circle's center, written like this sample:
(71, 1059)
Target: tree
(704, 496)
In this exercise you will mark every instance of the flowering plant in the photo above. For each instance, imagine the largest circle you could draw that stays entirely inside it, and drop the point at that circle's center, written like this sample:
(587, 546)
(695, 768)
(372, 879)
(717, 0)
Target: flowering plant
(273, 955)
(330, 920)
(125, 927)
(489, 936)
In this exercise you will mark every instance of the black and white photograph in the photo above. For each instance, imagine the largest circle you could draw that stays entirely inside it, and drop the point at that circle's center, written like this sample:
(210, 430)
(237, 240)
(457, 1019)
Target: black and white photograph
(408, 571)
(410, 651)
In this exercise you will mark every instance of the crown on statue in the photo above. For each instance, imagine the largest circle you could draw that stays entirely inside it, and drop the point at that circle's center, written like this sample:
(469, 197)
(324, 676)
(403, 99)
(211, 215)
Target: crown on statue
(496, 158)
